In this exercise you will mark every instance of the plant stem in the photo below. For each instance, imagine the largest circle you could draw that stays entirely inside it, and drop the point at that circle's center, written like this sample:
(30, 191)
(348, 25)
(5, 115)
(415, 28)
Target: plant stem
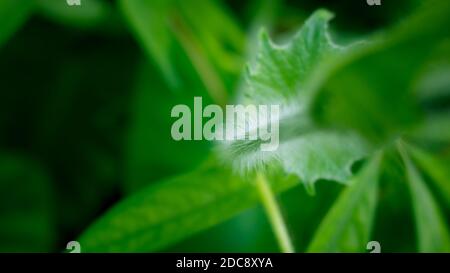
(207, 72)
(274, 214)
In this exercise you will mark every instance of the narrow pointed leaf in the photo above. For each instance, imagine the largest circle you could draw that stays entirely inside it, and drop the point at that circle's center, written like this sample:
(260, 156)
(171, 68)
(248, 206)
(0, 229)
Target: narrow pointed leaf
(432, 232)
(172, 210)
(437, 169)
(149, 22)
(348, 224)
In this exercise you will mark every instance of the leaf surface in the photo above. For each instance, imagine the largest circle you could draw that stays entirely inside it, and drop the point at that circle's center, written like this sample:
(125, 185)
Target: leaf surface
(171, 210)
(431, 229)
(284, 76)
(436, 168)
(348, 224)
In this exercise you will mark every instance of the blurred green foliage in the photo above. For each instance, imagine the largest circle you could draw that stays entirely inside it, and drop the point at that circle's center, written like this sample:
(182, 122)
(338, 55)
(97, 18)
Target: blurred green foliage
(86, 150)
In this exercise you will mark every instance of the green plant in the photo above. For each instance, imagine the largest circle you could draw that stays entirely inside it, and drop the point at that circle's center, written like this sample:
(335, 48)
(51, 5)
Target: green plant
(364, 130)
(339, 105)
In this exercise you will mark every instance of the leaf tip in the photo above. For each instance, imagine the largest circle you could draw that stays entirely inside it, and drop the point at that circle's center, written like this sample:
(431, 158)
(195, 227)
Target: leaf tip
(323, 14)
(264, 38)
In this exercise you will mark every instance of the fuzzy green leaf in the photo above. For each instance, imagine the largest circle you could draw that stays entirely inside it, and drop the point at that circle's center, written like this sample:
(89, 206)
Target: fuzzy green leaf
(284, 76)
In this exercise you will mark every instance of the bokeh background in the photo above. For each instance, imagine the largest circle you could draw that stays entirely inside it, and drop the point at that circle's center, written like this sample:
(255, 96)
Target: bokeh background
(85, 113)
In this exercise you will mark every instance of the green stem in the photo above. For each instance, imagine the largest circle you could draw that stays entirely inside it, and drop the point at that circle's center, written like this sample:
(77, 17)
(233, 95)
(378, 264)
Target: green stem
(274, 214)
(207, 72)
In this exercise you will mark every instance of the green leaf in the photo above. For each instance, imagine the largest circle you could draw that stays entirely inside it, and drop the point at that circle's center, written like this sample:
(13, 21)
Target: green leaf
(172, 210)
(394, 206)
(284, 76)
(348, 224)
(13, 14)
(432, 232)
(372, 91)
(437, 169)
(214, 49)
(283, 73)
(433, 92)
(433, 85)
(221, 39)
(322, 155)
(160, 26)
(435, 128)
(149, 22)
